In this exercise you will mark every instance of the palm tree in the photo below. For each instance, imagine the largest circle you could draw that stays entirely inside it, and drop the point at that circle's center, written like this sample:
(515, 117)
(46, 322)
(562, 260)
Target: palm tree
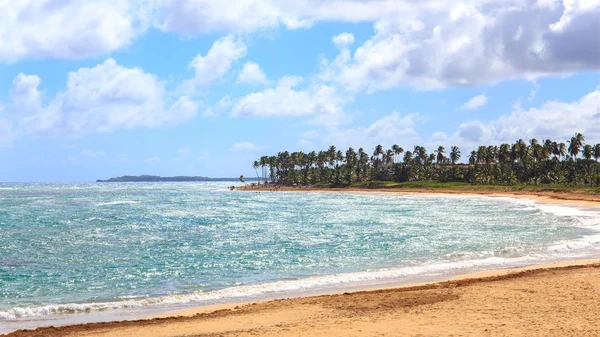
(588, 151)
(256, 165)
(473, 158)
(521, 162)
(504, 153)
(264, 162)
(596, 151)
(397, 152)
(420, 154)
(575, 144)
(520, 150)
(331, 154)
(454, 154)
(378, 151)
(441, 159)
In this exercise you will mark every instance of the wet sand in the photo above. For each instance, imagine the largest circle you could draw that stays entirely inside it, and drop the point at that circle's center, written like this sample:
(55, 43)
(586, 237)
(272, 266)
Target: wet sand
(550, 300)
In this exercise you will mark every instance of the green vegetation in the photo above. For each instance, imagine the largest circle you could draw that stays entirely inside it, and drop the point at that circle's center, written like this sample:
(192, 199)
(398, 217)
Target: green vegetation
(548, 166)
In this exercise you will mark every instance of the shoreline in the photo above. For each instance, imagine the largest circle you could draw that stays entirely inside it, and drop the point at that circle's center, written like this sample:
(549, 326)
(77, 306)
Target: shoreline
(195, 318)
(481, 276)
(550, 197)
(241, 318)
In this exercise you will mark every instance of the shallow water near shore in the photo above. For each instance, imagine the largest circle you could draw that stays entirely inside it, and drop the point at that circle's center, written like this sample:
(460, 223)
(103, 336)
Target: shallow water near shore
(88, 252)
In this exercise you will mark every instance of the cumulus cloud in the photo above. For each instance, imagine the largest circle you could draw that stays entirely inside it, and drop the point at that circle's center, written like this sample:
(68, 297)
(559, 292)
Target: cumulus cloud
(217, 109)
(424, 44)
(217, 62)
(475, 103)
(195, 17)
(394, 128)
(24, 94)
(245, 147)
(553, 120)
(252, 74)
(343, 40)
(286, 99)
(99, 99)
(65, 29)
(467, 43)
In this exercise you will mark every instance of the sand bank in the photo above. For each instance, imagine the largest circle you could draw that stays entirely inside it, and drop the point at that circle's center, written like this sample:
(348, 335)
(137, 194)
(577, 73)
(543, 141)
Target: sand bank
(548, 300)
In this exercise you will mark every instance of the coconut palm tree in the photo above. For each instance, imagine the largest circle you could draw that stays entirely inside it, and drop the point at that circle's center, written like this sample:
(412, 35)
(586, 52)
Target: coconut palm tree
(596, 151)
(420, 154)
(522, 162)
(588, 151)
(454, 154)
(397, 152)
(256, 165)
(473, 158)
(575, 145)
(440, 158)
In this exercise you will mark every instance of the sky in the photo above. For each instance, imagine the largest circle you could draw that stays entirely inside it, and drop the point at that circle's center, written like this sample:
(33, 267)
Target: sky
(97, 89)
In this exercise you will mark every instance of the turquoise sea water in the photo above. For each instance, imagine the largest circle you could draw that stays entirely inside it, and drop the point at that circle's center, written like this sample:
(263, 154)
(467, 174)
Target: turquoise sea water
(78, 250)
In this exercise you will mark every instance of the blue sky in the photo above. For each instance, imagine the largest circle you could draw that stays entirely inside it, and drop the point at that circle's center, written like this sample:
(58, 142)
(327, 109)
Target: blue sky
(96, 89)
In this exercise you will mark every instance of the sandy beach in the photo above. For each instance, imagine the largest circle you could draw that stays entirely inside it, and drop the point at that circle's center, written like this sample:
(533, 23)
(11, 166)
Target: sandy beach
(555, 300)
(548, 197)
(559, 299)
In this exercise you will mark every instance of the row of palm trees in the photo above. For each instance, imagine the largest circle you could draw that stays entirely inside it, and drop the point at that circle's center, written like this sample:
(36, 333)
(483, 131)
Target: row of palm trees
(546, 162)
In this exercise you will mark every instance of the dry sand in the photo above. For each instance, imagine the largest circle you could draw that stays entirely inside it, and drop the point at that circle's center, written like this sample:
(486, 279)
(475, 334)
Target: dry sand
(561, 299)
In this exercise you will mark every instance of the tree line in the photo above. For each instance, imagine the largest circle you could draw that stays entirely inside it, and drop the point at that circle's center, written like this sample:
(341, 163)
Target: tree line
(530, 163)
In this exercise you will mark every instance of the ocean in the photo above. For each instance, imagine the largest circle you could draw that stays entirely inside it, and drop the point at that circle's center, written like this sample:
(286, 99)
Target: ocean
(72, 253)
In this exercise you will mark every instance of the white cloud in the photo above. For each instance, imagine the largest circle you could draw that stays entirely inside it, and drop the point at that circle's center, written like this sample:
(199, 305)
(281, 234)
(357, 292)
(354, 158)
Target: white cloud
(553, 120)
(99, 99)
(467, 43)
(424, 44)
(475, 131)
(24, 94)
(388, 130)
(323, 102)
(475, 102)
(196, 17)
(218, 108)
(252, 74)
(213, 66)
(65, 29)
(343, 40)
(245, 147)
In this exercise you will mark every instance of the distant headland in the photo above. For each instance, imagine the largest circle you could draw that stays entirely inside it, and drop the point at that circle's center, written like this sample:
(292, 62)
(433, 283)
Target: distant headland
(151, 178)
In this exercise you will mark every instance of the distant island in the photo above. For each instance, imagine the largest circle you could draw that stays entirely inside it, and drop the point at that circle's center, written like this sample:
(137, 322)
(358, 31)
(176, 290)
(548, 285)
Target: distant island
(151, 178)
